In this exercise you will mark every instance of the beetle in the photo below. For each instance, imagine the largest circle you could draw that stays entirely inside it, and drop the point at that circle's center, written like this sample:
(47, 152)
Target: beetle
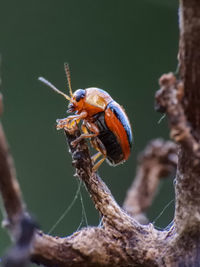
(104, 121)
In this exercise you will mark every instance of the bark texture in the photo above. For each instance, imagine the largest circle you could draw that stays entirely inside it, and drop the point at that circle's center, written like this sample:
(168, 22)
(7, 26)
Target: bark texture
(126, 238)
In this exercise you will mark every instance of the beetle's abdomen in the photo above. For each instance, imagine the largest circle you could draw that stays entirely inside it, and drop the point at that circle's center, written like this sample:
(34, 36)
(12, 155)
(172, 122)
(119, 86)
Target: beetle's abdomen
(118, 123)
(109, 140)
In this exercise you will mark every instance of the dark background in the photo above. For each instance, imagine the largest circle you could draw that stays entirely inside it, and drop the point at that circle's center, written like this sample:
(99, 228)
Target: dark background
(122, 47)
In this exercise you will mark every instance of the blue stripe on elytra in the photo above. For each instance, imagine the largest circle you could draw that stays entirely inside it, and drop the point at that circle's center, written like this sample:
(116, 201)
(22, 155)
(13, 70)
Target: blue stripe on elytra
(124, 121)
(104, 92)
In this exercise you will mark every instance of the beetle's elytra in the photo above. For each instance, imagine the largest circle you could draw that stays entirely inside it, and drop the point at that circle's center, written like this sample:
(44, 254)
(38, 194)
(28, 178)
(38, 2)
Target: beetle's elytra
(104, 121)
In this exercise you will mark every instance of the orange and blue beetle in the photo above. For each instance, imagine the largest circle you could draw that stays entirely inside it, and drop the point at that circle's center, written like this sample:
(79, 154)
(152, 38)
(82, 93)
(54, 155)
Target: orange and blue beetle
(104, 121)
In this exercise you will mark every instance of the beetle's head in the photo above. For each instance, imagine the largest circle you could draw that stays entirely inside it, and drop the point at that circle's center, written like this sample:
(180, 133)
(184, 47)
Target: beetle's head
(76, 99)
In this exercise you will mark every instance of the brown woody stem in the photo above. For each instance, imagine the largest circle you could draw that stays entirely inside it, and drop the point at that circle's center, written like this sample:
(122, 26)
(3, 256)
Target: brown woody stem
(158, 160)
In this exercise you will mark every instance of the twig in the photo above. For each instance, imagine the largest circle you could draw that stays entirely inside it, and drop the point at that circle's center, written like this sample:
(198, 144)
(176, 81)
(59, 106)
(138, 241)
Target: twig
(157, 161)
(20, 224)
(9, 186)
(168, 99)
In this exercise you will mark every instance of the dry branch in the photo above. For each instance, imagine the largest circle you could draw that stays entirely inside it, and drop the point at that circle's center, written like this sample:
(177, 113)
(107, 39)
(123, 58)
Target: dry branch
(171, 97)
(158, 160)
(115, 244)
(19, 223)
(9, 186)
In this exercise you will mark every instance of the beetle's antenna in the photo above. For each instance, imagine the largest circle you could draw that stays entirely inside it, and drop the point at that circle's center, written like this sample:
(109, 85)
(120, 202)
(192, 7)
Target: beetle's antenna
(43, 80)
(67, 71)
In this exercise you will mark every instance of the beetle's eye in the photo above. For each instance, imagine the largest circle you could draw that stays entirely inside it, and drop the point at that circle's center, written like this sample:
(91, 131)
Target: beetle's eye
(79, 94)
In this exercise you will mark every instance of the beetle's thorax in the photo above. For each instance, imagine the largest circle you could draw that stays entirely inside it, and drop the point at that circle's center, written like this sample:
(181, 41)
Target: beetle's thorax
(92, 100)
(96, 100)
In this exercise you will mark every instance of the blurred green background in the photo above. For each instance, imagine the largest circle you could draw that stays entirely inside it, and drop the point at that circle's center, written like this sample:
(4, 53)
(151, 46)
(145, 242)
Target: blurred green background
(120, 46)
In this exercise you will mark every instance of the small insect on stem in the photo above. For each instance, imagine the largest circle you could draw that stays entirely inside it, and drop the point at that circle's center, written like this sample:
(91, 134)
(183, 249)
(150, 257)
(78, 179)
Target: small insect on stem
(104, 122)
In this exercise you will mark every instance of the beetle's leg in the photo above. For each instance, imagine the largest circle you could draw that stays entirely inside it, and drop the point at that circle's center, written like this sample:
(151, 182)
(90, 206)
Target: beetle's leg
(70, 121)
(96, 156)
(93, 128)
(82, 136)
(97, 165)
(66, 123)
(84, 128)
(97, 144)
